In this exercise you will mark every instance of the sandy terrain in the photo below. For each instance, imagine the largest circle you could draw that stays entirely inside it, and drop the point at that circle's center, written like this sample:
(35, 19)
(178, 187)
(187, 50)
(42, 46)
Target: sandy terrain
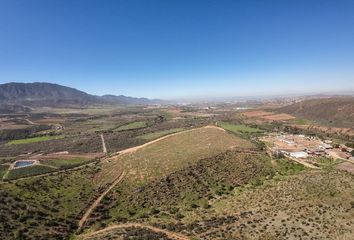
(256, 113)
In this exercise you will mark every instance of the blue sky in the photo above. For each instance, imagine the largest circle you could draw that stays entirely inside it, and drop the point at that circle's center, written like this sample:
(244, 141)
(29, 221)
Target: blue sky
(177, 48)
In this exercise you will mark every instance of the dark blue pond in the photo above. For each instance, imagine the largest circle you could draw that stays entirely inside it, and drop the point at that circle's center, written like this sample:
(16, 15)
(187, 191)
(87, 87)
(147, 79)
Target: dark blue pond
(23, 163)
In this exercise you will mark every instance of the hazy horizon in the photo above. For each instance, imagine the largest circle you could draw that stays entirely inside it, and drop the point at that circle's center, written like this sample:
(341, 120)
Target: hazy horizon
(180, 49)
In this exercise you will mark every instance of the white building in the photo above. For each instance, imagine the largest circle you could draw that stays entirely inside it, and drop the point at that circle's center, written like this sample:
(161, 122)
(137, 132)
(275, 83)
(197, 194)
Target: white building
(325, 146)
(299, 154)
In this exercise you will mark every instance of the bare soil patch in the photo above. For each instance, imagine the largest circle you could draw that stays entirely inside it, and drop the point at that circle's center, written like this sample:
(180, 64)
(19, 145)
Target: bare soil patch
(278, 117)
(346, 166)
(256, 113)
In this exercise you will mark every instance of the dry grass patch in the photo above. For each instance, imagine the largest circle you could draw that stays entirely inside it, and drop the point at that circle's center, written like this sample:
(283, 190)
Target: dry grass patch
(168, 155)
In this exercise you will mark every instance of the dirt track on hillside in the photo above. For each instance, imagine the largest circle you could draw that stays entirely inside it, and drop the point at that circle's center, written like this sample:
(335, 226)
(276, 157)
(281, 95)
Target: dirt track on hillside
(169, 234)
(120, 178)
(104, 148)
(98, 200)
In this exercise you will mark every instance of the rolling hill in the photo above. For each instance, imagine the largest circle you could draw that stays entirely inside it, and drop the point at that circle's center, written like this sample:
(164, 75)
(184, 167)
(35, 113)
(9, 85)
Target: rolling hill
(334, 111)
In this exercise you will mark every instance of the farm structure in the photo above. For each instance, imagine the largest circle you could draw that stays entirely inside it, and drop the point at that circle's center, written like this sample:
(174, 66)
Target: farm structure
(301, 146)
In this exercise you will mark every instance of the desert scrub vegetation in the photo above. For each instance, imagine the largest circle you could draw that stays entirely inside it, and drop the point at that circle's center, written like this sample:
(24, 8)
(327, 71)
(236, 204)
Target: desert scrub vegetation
(45, 207)
(193, 187)
(33, 140)
(307, 205)
(28, 171)
(164, 157)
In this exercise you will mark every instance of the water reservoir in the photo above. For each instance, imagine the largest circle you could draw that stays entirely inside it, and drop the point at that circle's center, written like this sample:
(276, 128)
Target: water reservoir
(23, 163)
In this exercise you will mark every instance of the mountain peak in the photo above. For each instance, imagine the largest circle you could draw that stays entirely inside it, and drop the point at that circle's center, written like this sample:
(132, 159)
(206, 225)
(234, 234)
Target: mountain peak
(50, 94)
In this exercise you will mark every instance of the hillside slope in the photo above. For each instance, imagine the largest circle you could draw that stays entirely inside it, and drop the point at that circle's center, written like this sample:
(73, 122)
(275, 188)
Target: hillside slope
(42, 94)
(335, 111)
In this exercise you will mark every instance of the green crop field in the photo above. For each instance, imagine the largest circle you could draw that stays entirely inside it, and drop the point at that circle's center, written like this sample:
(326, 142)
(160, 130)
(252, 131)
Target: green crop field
(67, 163)
(154, 135)
(28, 171)
(301, 121)
(131, 126)
(33, 140)
(239, 128)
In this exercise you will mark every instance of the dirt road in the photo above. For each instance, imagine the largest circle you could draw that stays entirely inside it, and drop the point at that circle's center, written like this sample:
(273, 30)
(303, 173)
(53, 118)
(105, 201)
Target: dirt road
(98, 200)
(103, 144)
(134, 149)
(306, 164)
(169, 234)
(52, 173)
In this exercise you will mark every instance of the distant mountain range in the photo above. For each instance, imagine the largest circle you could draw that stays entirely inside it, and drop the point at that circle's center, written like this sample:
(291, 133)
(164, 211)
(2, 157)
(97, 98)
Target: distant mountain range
(48, 94)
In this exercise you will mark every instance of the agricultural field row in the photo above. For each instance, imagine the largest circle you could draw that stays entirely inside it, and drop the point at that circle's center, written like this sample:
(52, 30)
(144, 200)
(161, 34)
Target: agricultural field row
(33, 140)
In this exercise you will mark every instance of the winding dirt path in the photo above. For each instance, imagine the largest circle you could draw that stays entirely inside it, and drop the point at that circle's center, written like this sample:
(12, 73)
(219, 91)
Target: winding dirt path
(169, 234)
(306, 164)
(98, 200)
(120, 178)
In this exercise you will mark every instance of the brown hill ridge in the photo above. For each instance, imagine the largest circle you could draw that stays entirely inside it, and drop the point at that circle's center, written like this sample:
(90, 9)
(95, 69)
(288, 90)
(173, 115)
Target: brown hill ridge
(334, 111)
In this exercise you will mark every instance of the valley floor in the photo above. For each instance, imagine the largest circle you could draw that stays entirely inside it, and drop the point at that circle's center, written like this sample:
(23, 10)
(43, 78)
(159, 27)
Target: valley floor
(176, 173)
